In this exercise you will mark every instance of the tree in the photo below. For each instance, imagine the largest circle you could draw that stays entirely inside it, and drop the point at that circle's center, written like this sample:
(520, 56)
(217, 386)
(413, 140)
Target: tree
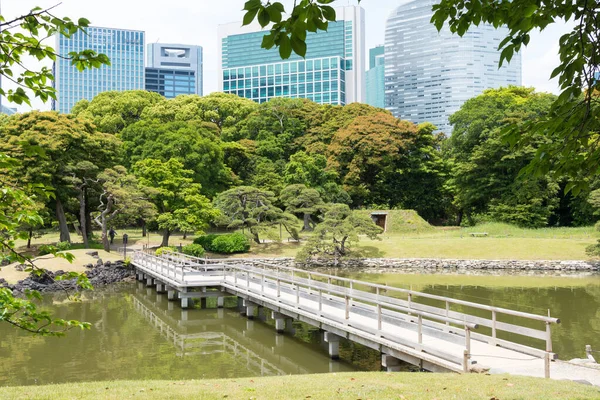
(83, 175)
(308, 169)
(485, 172)
(120, 194)
(367, 152)
(223, 110)
(338, 231)
(192, 143)
(572, 123)
(18, 206)
(177, 198)
(114, 111)
(251, 208)
(24, 37)
(298, 199)
(61, 141)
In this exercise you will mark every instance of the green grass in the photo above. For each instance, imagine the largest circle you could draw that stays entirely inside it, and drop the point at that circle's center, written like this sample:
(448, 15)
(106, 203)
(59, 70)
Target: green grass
(352, 386)
(503, 242)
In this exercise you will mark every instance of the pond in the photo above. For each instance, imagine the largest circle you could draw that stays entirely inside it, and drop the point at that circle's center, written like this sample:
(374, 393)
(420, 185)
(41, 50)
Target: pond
(138, 334)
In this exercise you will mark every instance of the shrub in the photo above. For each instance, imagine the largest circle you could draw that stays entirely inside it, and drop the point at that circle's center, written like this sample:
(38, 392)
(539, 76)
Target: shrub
(63, 246)
(231, 243)
(593, 250)
(162, 250)
(205, 241)
(195, 250)
(46, 249)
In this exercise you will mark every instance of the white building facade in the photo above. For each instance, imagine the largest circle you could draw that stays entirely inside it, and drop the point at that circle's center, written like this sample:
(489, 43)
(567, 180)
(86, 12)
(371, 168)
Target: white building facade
(430, 74)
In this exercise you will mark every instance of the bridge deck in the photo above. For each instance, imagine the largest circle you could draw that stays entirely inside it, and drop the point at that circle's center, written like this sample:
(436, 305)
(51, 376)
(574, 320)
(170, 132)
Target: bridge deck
(436, 338)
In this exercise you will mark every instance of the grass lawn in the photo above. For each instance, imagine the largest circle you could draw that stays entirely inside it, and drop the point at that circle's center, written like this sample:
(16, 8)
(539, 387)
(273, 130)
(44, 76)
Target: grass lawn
(360, 385)
(503, 242)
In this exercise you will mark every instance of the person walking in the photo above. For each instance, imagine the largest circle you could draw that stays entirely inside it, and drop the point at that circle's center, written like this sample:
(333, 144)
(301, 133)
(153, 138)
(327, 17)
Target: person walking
(112, 233)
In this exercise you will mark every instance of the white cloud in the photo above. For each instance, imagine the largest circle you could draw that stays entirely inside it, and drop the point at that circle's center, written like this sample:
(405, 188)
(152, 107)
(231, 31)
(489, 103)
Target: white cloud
(196, 21)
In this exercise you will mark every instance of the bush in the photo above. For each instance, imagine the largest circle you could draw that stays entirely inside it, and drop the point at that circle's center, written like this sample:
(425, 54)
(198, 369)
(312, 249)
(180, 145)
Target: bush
(195, 250)
(46, 249)
(205, 241)
(63, 246)
(162, 250)
(593, 250)
(231, 243)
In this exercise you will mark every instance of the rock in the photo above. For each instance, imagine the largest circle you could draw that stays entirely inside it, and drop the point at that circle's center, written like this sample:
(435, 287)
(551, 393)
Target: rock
(89, 266)
(20, 267)
(99, 262)
(92, 253)
(479, 369)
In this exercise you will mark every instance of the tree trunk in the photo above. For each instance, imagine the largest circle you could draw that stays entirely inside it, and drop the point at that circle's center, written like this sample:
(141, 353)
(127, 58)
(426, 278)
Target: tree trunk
(307, 227)
(184, 235)
(82, 219)
(143, 228)
(30, 232)
(459, 217)
(256, 238)
(65, 236)
(88, 216)
(165, 238)
(105, 240)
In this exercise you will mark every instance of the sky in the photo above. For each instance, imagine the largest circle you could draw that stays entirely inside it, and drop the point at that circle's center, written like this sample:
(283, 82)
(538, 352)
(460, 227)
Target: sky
(196, 21)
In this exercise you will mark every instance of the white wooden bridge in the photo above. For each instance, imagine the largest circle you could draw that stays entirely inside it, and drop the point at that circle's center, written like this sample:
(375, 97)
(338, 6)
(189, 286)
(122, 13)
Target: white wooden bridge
(433, 332)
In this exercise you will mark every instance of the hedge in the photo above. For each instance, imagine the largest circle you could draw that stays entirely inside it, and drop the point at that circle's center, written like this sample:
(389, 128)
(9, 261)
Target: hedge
(224, 244)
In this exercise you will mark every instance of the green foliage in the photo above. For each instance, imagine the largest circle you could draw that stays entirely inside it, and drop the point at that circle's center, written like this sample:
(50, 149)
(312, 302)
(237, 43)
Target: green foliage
(46, 249)
(338, 232)
(194, 250)
(247, 207)
(63, 246)
(572, 123)
(593, 250)
(23, 37)
(289, 34)
(230, 243)
(164, 250)
(205, 241)
(176, 197)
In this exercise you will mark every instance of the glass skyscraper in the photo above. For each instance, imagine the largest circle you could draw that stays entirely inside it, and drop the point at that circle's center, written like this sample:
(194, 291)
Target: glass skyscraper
(125, 49)
(375, 77)
(429, 75)
(331, 73)
(174, 69)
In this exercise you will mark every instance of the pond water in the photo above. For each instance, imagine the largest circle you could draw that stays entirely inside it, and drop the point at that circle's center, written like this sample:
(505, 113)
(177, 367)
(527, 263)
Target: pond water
(138, 334)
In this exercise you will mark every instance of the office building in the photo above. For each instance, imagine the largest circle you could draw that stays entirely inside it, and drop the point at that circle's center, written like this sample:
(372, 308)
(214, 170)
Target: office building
(375, 77)
(174, 69)
(430, 74)
(331, 73)
(124, 48)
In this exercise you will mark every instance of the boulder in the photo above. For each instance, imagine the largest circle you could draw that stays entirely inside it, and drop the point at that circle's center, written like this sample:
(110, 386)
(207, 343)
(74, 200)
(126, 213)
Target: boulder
(92, 253)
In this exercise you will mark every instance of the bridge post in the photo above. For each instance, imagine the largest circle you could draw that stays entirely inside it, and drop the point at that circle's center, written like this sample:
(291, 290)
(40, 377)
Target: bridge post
(279, 322)
(171, 293)
(220, 302)
(289, 327)
(185, 302)
(334, 345)
(241, 307)
(250, 307)
(391, 364)
(149, 281)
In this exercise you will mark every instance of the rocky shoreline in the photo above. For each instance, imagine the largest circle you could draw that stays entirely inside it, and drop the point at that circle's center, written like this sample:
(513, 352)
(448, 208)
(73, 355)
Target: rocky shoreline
(430, 265)
(100, 274)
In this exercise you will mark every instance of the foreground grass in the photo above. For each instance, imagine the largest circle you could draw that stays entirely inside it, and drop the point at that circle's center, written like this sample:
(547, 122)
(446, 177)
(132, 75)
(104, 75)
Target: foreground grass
(363, 385)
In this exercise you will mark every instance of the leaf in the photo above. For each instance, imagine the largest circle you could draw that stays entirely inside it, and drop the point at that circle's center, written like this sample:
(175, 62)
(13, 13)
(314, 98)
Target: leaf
(285, 47)
(298, 45)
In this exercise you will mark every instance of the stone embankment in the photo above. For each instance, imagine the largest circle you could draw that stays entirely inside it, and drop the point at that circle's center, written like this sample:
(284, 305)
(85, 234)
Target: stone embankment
(98, 274)
(436, 264)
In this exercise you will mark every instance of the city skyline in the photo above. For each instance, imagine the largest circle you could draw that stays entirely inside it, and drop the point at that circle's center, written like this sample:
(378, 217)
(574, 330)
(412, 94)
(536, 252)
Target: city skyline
(196, 23)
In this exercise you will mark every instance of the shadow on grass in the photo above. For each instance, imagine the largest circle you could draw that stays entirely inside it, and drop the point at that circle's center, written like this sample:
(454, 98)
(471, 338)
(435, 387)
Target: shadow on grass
(369, 252)
(275, 248)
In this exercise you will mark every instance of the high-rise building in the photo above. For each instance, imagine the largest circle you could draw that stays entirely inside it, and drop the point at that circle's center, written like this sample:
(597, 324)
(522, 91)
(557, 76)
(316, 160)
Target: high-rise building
(375, 77)
(430, 74)
(174, 69)
(124, 48)
(331, 73)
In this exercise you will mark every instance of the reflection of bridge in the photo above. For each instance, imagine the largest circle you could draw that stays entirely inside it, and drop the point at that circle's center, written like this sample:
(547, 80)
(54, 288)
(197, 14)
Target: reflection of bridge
(433, 332)
(216, 335)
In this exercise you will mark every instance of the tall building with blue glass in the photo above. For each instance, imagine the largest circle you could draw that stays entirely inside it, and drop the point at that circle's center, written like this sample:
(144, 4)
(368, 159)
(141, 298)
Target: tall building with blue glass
(174, 69)
(331, 73)
(430, 74)
(375, 77)
(125, 48)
